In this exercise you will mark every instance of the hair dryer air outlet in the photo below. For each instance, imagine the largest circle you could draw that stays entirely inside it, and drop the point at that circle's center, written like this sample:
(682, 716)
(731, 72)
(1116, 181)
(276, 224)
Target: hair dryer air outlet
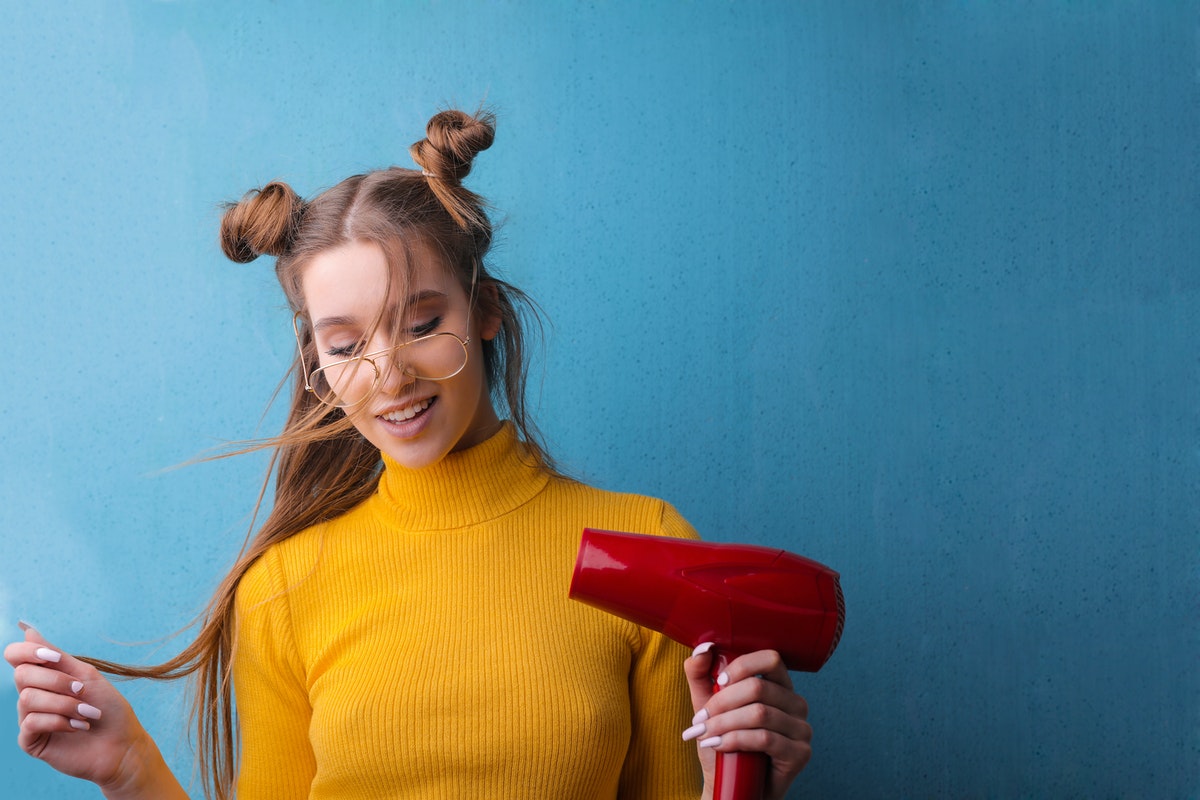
(740, 597)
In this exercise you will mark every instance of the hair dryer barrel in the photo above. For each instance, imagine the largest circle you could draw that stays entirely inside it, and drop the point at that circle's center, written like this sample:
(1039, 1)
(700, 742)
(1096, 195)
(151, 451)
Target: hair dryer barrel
(741, 597)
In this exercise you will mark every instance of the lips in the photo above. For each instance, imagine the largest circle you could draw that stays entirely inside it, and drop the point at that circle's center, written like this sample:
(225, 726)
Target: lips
(407, 412)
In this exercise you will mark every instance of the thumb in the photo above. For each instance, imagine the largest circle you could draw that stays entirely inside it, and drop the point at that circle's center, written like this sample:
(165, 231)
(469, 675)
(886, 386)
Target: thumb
(65, 662)
(698, 670)
(31, 633)
(33, 649)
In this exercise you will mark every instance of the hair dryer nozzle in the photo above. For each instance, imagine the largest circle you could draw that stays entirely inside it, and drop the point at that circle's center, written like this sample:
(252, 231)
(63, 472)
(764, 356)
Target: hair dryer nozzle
(741, 597)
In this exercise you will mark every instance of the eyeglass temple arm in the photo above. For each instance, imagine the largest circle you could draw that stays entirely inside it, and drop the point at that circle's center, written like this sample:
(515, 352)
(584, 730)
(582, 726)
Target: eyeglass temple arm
(300, 352)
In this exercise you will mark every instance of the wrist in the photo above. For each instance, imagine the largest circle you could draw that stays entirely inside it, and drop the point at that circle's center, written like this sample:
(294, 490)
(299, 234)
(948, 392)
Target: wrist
(143, 774)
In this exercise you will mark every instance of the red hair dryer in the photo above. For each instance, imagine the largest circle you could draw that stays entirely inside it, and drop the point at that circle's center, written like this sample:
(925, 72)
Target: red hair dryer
(740, 597)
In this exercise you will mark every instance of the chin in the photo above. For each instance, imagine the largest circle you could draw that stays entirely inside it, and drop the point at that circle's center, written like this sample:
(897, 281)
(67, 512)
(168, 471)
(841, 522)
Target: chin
(416, 456)
(427, 438)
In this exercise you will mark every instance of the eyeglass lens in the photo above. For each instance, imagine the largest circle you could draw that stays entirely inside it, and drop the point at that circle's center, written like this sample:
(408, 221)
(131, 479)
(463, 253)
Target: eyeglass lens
(435, 357)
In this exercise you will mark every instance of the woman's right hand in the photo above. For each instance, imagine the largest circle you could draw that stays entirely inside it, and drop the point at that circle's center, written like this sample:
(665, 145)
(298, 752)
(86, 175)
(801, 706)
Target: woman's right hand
(75, 720)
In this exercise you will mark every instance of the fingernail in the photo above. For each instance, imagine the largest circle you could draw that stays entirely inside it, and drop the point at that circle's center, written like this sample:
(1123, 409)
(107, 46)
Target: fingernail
(702, 648)
(91, 712)
(23, 625)
(693, 732)
(46, 654)
(711, 741)
(76, 687)
(723, 679)
(701, 716)
(80, 725)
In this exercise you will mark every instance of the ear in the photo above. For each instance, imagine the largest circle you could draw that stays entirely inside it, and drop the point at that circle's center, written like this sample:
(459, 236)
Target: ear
(490, 319)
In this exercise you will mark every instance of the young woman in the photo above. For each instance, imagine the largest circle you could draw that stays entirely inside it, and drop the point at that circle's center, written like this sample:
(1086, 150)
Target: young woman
(399, 625)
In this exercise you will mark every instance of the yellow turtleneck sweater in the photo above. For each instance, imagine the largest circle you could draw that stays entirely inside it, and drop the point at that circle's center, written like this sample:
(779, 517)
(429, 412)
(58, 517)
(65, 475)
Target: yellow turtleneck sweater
(423, 646)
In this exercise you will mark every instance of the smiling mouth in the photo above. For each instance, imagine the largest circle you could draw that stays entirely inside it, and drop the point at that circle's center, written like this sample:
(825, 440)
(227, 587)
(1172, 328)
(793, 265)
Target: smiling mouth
(408, 412)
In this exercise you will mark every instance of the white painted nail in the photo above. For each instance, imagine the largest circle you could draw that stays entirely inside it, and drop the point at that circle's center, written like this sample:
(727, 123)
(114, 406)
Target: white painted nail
(76, 687)
(702, 648)
(23, 625)
(701, 716)
(723, 679)
(46, 654)
(693, 732)
(80, 725)
(711, 741)
(91, 712)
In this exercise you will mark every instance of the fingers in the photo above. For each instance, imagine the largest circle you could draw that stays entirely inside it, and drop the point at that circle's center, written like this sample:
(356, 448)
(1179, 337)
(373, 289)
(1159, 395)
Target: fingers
(739, 714)
(759, 677)
(50, 686)
(755, 727)
(31, 653)
(755, 690)
(36, 650)
(36, 676)
(755, 709)
(763, 663)
(41, 711)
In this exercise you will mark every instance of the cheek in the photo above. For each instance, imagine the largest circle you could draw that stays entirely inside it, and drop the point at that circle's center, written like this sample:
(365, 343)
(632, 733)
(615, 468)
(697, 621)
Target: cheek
(480, 372)
(362, 422)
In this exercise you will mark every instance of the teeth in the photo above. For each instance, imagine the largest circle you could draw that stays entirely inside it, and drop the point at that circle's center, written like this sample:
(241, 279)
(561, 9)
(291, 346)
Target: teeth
(406, 413)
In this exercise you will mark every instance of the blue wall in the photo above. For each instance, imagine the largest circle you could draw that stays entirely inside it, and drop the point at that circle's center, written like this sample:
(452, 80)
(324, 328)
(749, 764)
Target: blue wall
(910, 288)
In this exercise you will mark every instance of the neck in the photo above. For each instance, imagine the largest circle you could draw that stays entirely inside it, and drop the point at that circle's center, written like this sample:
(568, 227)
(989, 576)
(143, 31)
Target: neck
(469, 486)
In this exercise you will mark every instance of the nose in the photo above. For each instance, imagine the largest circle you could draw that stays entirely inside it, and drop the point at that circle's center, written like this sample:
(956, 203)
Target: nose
(392, 375)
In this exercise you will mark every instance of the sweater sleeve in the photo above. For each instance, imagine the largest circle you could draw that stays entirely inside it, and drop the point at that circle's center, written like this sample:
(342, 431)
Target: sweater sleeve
(659, 764)
(276, 760)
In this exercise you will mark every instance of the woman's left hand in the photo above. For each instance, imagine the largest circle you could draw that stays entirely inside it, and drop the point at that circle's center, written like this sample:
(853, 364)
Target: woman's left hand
(756, 709)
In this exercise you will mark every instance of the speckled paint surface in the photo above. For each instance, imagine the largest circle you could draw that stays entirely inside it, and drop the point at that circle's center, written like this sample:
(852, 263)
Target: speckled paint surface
(911, 289)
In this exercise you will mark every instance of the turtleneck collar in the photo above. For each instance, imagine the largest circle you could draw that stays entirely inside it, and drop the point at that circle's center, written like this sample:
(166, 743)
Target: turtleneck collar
(467, 487)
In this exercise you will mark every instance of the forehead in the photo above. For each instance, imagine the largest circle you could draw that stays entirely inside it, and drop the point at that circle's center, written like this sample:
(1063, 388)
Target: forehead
(352, 279)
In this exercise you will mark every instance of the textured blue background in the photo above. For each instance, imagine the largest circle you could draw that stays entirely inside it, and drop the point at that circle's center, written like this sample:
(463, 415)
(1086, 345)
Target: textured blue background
(910, 288)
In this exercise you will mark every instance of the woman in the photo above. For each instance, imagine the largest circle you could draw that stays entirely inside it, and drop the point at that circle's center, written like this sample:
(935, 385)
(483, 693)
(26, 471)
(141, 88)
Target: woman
(399, 624)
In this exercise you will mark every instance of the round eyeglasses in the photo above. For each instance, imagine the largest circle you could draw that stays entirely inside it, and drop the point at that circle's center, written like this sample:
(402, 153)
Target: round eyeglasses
(349, 382)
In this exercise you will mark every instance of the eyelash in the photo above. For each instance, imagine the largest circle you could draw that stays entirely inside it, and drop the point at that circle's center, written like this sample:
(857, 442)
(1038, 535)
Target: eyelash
(342, 352)
(424, 329)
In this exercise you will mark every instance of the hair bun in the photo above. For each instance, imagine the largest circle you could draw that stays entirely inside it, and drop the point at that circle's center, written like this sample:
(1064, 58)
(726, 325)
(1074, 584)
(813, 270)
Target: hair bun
(452, 140)
(263, 222)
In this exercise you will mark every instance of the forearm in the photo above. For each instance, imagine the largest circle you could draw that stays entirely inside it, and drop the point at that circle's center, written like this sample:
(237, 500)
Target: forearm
(144, 775)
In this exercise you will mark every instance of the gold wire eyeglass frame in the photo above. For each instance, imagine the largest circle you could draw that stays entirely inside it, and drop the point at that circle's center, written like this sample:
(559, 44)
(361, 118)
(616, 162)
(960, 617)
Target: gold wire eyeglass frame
(378, 372)
(370, 357)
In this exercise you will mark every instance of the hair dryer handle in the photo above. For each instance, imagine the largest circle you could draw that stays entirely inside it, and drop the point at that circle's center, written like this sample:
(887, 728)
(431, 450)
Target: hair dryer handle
(739, 776)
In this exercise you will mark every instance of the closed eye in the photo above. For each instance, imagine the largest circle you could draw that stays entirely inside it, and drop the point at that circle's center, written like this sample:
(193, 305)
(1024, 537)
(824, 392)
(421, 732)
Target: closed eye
(347, 351)
(426, 328)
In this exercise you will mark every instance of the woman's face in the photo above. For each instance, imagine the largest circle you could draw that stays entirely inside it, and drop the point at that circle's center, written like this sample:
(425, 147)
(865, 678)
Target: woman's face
(414, 421)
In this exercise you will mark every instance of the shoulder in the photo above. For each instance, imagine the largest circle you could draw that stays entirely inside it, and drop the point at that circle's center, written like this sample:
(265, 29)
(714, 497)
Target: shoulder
(632, 513)
(282, 566)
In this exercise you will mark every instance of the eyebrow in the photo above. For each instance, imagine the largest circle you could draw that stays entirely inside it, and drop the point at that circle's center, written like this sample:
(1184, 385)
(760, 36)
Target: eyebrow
(343, 319)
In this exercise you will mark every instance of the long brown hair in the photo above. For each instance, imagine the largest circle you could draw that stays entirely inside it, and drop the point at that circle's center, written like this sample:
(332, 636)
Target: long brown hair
(322, 466)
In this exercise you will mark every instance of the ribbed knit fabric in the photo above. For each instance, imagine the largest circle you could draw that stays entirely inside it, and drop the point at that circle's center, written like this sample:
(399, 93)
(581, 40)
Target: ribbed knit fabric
(423, 646)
